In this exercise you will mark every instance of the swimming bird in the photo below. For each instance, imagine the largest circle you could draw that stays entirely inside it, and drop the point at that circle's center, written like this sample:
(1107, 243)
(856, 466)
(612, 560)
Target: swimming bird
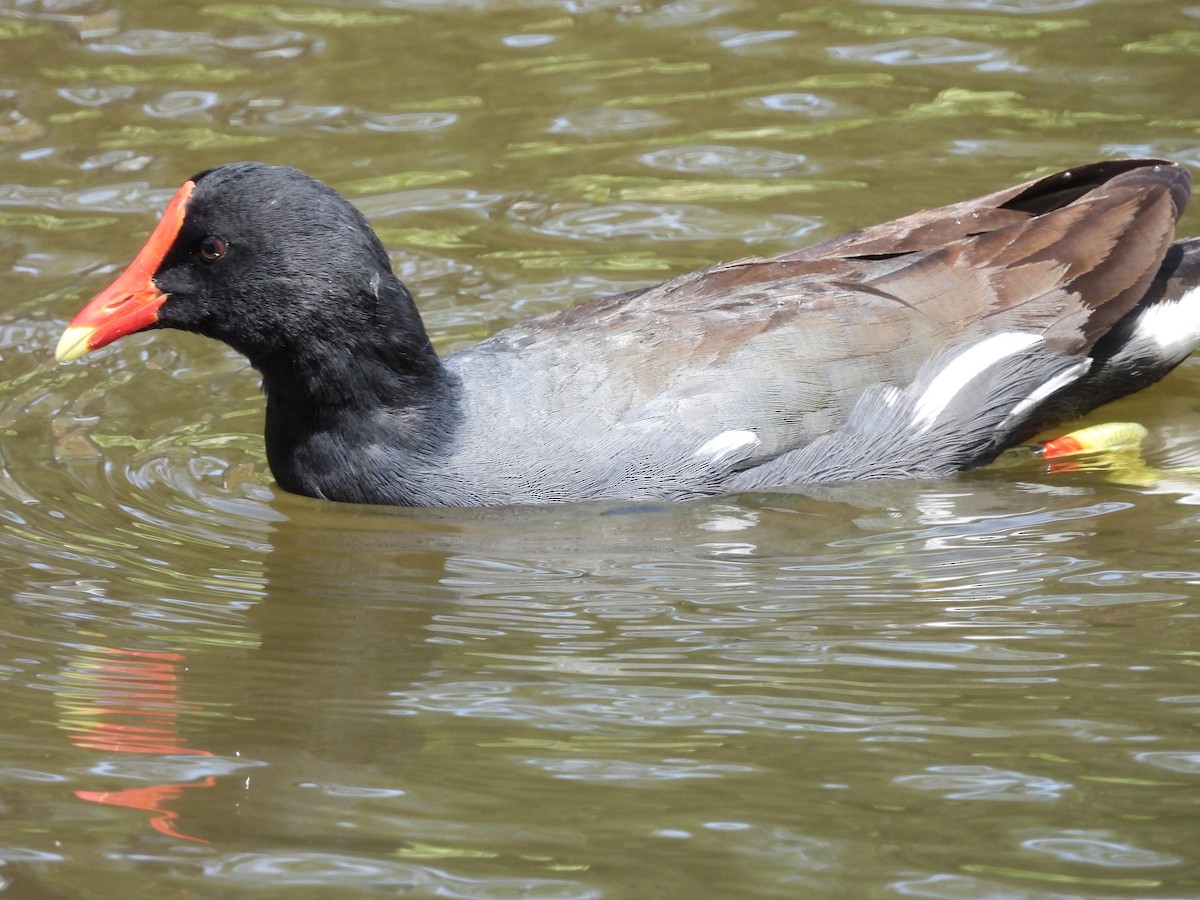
(916, 348)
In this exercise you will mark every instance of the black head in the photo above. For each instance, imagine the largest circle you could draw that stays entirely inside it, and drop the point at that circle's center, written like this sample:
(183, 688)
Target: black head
(264, 258)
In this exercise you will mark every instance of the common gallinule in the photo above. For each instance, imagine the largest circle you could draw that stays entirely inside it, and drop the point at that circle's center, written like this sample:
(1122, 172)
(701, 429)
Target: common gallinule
(920, 347)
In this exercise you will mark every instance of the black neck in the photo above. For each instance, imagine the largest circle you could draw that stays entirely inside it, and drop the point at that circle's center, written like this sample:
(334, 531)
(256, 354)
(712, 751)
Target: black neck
(332, 407)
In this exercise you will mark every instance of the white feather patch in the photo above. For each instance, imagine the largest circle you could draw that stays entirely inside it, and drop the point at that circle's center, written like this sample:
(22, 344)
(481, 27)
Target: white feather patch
(962, 368)
(727, 444)
(1174, 325)
(1044, 390)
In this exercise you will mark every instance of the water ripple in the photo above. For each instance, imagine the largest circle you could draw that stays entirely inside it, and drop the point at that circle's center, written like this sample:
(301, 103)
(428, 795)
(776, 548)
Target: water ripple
(153, 42)
(92, 96)
(656, 222)
(1020, 7)
(410, 121)
(928, 52)
(965, 887)
(973, 782)
(137, 196)
(628, 772)
(679, 13)
(742, 161)
(1187, 762)
(176, 104)
(1096, 848)
(737, 40)
(343, 872)
(383, 206)
(794, 102)
(597, 709)
(594, 123)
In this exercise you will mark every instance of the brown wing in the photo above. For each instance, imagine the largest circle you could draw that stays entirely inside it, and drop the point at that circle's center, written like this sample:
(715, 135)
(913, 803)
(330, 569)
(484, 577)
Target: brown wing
(785, 346)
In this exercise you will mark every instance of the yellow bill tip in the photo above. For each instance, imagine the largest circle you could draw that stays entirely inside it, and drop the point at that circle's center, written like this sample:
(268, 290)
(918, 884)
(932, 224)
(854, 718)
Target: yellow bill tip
(73, 343)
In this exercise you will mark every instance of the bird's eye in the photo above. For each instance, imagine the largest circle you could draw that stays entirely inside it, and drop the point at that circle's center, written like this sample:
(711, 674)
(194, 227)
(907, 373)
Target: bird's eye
(212, 248)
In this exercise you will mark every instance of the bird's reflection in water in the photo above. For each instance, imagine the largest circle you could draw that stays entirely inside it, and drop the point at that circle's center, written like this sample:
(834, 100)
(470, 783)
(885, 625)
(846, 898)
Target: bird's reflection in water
(128, 701)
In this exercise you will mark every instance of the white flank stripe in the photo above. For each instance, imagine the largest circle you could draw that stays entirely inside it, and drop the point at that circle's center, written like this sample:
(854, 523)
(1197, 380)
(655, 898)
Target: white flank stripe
(964, 367)
(1174, 325)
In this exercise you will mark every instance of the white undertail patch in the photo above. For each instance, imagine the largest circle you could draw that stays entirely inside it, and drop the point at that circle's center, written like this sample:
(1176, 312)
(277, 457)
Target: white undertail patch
(728, 444)
(963, 367)
(1173, 325)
